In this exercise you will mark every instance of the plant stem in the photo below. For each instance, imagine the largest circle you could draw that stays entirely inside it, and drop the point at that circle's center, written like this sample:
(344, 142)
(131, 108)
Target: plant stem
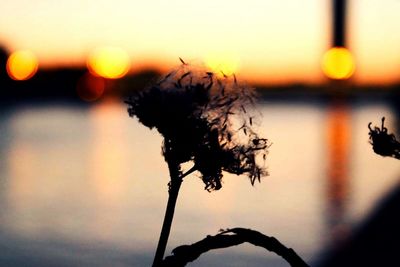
(173, 191)
(232, 237)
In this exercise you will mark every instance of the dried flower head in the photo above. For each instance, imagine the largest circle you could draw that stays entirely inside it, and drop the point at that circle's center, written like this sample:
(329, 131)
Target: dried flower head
(384, 143)
(205, 119)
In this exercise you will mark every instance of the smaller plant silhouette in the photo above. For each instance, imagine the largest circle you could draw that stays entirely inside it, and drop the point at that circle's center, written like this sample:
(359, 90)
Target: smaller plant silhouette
(206, 119)
(383, 142)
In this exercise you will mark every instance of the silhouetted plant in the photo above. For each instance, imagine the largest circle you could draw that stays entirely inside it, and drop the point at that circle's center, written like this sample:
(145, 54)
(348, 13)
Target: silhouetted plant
(205, 119)
(384, 143)
(227, 238)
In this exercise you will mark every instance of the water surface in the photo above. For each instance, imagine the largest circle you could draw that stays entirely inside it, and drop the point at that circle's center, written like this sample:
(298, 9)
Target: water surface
(88, 186)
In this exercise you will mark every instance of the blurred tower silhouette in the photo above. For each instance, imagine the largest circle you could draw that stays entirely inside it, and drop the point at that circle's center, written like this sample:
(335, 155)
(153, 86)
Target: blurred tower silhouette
(3, 61)
(338, 61)
(339, 23)
(4, 80)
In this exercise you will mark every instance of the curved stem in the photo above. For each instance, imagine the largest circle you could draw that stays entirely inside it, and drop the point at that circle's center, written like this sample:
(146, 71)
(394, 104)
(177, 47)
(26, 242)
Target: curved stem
(173, 191)
(231, 237)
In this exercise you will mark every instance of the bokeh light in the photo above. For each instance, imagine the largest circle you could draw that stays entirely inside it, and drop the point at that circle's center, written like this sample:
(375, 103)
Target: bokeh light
(22, 65)
(90, 88)
(338, 63)
(109, 62)
(223, 63)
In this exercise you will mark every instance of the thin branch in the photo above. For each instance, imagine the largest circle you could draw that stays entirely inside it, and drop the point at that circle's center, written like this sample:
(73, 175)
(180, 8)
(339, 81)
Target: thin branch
(231, 237)
(193, 169)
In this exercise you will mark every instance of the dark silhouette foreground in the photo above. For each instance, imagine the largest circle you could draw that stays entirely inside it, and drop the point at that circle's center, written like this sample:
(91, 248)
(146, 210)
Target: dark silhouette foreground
(231, 237)
(376, 243)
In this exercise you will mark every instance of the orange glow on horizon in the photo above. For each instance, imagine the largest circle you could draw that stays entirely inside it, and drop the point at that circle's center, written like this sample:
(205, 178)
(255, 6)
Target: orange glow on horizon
(277, 42)
(109, 62)
(22, 65)
(338, 63)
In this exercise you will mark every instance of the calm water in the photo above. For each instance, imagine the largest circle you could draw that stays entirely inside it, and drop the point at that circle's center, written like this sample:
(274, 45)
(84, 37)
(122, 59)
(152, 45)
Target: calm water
(88, 187)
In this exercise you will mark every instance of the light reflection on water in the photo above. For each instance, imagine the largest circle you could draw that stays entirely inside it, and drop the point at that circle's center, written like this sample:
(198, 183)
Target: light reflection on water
(96, 177)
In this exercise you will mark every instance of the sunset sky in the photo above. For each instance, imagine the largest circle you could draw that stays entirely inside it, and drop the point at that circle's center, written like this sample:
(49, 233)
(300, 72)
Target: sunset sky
(267, 41)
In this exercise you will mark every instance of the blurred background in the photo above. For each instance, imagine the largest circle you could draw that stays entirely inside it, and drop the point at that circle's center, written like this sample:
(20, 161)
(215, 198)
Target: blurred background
(82, 184)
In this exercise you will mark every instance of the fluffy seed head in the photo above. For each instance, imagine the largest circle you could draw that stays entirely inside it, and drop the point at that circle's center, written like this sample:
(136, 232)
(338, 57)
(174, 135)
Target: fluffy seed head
(205, 119)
